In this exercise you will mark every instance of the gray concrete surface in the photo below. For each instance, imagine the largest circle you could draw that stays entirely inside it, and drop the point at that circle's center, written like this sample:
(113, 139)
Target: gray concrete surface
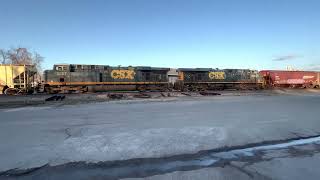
(35, 136)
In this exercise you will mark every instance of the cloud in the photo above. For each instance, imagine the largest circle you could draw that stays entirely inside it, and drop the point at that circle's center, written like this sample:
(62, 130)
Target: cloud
(286, 58)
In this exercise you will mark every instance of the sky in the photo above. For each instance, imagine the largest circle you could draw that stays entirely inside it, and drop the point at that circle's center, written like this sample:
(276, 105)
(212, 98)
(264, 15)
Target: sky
(255, 34)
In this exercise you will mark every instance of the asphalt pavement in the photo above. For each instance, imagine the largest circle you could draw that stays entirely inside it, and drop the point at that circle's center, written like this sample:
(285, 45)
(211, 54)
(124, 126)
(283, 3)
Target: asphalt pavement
(52, 136)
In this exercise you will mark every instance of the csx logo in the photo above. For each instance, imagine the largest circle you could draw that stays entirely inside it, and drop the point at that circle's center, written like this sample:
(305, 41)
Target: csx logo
(217, 75)
(122, 74)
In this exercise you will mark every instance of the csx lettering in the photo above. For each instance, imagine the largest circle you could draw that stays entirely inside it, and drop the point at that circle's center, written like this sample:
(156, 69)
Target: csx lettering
(122, 74)
(216, 75)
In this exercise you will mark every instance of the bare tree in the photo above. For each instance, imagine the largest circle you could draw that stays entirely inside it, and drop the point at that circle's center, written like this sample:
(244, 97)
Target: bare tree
(24, 56)
(37, 60)
(4, 56)
(20, 56)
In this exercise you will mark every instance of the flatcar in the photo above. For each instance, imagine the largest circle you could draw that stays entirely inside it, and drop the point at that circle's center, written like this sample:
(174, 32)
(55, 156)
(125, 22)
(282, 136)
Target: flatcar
(68, 78)
(197, 79)
(305, 79)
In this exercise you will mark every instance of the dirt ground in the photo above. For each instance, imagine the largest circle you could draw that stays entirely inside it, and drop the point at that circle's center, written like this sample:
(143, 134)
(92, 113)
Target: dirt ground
(40, 99)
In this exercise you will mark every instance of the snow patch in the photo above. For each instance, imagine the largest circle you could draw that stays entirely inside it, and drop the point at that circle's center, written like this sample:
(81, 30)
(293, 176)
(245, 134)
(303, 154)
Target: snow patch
(138, 144)
(25, 109)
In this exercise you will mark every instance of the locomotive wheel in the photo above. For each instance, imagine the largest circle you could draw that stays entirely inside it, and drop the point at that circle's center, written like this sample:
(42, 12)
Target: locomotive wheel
(243, 87)
(141, 88)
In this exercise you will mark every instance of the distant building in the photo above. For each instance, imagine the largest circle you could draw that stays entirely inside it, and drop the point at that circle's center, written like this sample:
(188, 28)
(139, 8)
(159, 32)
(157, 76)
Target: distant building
(290, 68)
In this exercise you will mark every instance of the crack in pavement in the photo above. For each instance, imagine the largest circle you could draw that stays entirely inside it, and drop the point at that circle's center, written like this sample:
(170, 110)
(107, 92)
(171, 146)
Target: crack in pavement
(67, 132)
(252, 175)
(246, 172)
(17, 172)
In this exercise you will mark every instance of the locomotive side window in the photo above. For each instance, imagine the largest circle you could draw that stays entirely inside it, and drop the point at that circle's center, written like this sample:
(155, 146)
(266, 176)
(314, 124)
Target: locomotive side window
(100, 77)
(59, 68)
(61, 79)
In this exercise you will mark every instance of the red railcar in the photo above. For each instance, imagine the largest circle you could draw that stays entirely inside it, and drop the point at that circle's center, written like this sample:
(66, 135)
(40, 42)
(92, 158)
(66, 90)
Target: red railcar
(308, 79)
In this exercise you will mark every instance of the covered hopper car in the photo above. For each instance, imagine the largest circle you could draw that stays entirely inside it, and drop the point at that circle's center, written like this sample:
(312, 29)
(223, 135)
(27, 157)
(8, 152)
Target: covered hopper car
(306, 79)
(17, 79)
(66, 78)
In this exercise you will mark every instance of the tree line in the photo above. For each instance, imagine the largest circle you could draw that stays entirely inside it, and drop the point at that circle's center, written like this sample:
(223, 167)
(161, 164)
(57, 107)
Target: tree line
(21, 55)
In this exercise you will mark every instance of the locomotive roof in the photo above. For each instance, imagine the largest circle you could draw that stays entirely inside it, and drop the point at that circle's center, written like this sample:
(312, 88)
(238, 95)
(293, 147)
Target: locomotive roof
(194, 69)
(287, 71)
(152, 68)
(135, 67)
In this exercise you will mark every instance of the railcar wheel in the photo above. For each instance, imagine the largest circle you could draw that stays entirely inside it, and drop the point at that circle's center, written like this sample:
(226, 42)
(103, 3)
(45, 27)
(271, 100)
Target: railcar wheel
(11, 91)
(292, 86)
(3, 88)
(307, 86)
